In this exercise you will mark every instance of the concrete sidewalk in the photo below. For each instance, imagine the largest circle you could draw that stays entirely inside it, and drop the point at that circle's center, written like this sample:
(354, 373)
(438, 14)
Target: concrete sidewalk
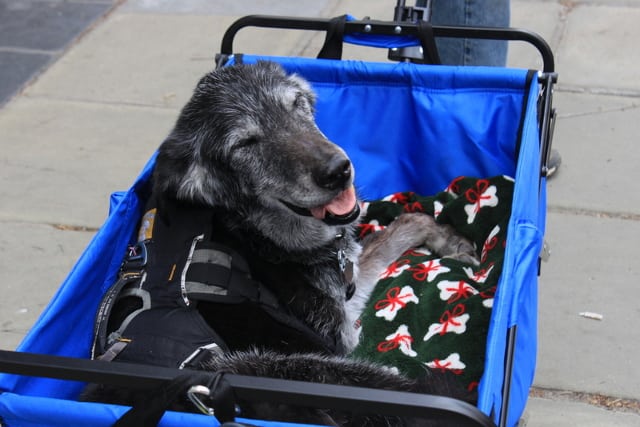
(86, 126)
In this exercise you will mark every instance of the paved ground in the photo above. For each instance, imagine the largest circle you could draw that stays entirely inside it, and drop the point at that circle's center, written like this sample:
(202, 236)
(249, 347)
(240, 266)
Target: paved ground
(95, 107)
(33, 34)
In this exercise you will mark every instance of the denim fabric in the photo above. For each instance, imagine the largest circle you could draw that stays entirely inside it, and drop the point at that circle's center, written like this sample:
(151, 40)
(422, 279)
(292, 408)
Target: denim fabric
(480, 13)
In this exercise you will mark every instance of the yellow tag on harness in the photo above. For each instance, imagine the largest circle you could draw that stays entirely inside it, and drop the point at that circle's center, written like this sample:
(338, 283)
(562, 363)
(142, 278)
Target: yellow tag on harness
(146, 225)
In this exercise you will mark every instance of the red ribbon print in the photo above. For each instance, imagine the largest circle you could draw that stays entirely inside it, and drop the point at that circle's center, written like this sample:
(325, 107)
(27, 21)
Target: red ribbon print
(477, 195)
(448, 318)
(401, 198)
(488, 245)
(463, 290)
(414, 252)
(394, 267)
(394, 343)
(437, 364)
(368, 229)
(489, 293)
(481, 275)
(413, 207)
(393, 299)
(421, 271)
(453, 187)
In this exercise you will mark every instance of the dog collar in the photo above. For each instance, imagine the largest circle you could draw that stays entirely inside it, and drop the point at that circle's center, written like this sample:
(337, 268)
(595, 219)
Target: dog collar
(345, 264)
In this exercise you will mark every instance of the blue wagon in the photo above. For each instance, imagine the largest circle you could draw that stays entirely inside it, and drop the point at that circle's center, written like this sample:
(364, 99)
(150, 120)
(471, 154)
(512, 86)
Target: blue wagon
(408, 127)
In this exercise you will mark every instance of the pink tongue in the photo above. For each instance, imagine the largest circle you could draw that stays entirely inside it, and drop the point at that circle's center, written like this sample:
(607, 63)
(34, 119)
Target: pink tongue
(341, 205)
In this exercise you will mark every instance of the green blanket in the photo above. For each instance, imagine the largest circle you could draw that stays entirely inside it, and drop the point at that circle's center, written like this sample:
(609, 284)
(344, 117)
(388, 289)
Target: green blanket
(430, 311)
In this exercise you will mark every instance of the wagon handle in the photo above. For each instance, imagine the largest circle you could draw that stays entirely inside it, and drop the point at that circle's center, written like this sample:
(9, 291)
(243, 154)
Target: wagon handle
(388, 28)
(332, 48)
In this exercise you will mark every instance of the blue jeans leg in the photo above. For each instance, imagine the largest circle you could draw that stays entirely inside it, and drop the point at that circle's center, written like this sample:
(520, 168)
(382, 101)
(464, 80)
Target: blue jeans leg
(480, 13)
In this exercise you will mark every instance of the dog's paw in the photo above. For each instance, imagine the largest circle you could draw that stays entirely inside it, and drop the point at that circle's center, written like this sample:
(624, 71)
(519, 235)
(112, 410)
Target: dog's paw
(443, 239)
(463, 250)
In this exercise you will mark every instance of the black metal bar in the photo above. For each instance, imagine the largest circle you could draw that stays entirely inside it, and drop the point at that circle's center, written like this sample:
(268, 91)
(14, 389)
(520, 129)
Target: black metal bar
(508, 371)
(416, 54)
(547, 120)
(388, 28)
(398, 11)
(75, 369)
(263, 21)
(354, 399)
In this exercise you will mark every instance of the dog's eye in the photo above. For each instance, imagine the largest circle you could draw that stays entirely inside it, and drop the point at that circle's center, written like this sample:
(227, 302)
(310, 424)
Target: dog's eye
(250, 140)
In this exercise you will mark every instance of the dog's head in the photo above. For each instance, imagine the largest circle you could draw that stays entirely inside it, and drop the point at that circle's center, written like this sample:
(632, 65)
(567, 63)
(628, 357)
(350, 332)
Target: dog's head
(248, 135)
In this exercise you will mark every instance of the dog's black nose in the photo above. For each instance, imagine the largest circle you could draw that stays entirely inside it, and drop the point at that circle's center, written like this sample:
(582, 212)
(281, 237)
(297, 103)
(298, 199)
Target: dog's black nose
(335, 174)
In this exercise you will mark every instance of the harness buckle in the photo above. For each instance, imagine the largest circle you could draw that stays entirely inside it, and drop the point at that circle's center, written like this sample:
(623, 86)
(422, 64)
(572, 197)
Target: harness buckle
(199, 355)
(136, 257)
(193, 393)
(219, 392)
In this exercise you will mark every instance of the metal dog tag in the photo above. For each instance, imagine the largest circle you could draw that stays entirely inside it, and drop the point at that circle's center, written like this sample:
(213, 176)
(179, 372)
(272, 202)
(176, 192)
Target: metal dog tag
(346, 266)
(348, 271)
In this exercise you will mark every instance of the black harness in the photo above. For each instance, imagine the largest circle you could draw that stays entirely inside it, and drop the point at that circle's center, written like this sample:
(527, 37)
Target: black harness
(185, 290)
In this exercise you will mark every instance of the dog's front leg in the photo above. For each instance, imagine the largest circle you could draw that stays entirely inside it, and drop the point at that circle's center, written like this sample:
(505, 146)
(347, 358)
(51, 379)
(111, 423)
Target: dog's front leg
(408, 231)
(405, 232)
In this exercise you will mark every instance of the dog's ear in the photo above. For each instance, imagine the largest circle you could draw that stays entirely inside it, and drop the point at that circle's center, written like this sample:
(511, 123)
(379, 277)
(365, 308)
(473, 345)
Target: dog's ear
(269, 67)
(295, 80)
(172, 164)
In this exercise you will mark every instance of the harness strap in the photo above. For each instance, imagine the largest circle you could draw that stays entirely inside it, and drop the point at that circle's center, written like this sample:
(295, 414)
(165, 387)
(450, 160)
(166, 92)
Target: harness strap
(102, 337)
(332, 47)
(145, 300)
(113, 351)
(428, 42)
(217, 273)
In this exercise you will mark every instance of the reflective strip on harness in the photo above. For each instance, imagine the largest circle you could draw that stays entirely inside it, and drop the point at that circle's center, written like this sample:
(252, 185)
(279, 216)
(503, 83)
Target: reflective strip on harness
(199, 355)
(209, 272)
(202, 288)
(212, 256)
(183, 276)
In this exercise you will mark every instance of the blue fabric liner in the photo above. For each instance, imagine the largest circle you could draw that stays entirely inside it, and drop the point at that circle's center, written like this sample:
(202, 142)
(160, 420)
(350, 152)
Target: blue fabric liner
(406, 127)
(18, 410)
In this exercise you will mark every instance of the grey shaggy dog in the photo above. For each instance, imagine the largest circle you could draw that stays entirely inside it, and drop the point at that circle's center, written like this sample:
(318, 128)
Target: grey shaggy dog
(246, 145)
